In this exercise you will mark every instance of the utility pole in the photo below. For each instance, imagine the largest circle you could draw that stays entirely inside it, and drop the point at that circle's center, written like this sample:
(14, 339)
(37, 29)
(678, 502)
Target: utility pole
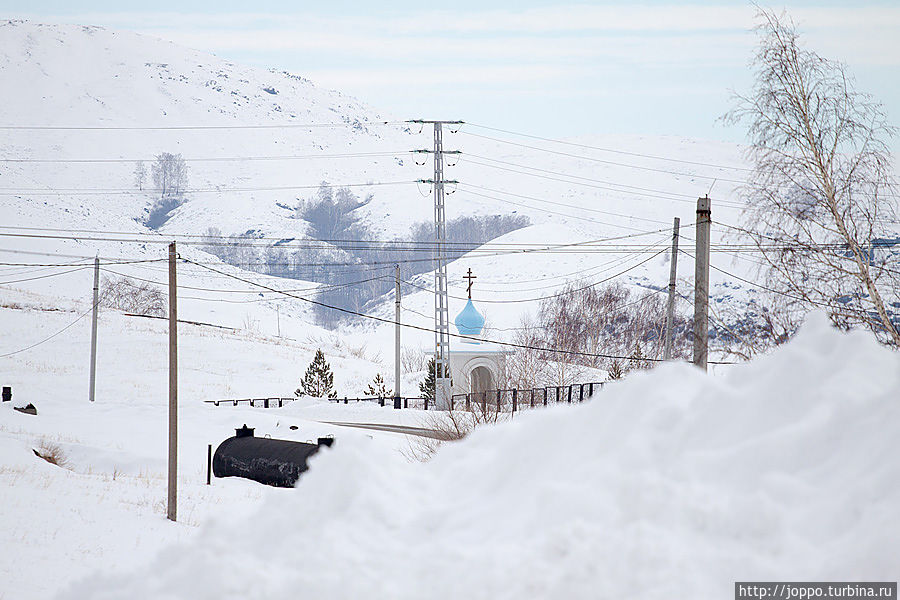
(701, 284)
(278, 318)
(93, 385)
(397, 338)
(441, 308)
(670, 312)
(172, 504)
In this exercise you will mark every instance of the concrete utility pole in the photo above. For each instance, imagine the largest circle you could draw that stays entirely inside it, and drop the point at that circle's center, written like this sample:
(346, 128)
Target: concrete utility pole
(172, 505)
(670, 311)
(441, 302)
(397, 338)
(96, 308)
(701, 284)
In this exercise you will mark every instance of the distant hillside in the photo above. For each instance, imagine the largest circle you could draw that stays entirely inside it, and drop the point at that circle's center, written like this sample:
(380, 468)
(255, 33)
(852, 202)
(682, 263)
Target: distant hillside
(258, 143)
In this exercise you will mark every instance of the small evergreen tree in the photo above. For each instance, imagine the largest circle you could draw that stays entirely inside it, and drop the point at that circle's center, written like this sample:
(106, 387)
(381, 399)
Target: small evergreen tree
(318, 381)
(615, 371)
(378, 389)
(426, 387)
(637, 360)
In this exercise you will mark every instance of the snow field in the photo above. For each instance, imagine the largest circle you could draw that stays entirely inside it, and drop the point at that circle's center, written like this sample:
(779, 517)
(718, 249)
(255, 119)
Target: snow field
(668, 483)
(107, 510)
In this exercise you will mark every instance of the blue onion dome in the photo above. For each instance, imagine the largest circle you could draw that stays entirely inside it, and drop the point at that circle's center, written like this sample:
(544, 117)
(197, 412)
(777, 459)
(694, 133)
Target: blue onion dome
(469, 321)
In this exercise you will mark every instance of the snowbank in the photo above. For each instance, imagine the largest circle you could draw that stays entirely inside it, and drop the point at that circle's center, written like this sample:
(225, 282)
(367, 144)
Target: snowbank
(669, 484)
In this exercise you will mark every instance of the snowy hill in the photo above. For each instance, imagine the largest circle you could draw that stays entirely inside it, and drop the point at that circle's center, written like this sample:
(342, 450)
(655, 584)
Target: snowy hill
(91, 77)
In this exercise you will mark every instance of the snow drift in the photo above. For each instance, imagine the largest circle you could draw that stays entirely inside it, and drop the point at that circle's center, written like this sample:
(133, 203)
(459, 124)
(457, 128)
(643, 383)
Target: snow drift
(669, 484)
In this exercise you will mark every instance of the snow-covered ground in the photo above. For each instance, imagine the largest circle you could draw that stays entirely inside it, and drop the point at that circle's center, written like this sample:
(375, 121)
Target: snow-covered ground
(108, 508)
(668, 483)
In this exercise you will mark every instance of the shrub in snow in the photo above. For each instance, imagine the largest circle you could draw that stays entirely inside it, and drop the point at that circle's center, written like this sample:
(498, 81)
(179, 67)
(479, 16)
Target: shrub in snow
(136, 297)
(52, 453)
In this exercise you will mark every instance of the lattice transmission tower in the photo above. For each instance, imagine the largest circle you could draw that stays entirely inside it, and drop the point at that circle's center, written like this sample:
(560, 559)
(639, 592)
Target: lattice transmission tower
(442, 390)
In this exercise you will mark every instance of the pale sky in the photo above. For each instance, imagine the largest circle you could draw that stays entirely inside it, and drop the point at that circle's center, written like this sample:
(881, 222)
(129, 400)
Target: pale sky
(541, 67)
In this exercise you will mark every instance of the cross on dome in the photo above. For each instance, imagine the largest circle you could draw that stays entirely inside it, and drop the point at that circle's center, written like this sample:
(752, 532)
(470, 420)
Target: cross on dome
(470, 277)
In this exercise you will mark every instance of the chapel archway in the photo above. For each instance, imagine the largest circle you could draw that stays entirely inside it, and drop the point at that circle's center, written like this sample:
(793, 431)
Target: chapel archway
(481, 380)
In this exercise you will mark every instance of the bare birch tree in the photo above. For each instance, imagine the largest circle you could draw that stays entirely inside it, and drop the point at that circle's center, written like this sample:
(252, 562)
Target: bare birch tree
(169, 173)
(821, 193)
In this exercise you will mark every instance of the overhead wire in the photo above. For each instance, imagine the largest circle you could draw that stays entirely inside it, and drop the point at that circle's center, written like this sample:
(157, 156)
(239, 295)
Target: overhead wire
(204, 159)
(429, 330)
(193, 127)
(218, 190)
(47, 339)
(550, 297)
(613, 150)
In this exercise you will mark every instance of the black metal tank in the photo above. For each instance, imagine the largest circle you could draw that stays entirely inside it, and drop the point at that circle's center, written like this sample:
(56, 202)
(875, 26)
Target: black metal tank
(273, 462)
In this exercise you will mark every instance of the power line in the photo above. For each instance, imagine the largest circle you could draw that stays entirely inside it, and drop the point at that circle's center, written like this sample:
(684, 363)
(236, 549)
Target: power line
(429, 330)
(47, 339)
(573, 176)
(191, 127)
(563, 204)
(222, 190)
(207, 239)
(44, 276)
(775, 291)
(563, 293)
(592, 183)
(603, 161)
(203, 159)
(623, 152)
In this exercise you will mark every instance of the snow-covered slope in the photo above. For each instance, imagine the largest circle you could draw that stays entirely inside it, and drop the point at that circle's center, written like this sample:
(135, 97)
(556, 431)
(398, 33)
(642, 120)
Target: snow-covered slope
(671, 483)
(92, 77)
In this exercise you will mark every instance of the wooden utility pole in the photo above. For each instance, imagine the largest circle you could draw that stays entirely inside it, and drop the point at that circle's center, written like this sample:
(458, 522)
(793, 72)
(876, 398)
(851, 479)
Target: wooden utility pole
(93, 385)
(397, 338)
(670, 311)
(172, 504)
(701, 284)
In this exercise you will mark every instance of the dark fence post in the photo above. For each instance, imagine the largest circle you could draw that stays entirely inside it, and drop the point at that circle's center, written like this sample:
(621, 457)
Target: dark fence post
(345, 399)
(451, 402)
(591, 389)
(279, 402)
(546, 393)
(532, 398)
(208, 463)
(381, 402)
(557, 394)
(266, 403)
(581, 393)
(426, 402)
(570, 395)
(467, 401)
(498, 400)
(406, 403)
(515, 400)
